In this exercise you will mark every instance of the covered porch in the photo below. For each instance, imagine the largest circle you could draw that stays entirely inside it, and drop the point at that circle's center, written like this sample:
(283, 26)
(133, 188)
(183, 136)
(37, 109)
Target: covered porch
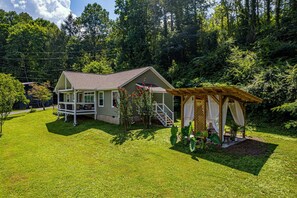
(76, 102)
(159, 95)
(207, 107)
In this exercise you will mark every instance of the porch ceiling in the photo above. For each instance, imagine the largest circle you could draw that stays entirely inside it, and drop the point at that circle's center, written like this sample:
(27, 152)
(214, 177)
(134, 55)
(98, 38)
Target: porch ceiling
(153, 88)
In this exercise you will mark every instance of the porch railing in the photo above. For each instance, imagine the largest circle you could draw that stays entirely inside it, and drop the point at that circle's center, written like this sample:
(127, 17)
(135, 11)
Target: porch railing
(164, 114)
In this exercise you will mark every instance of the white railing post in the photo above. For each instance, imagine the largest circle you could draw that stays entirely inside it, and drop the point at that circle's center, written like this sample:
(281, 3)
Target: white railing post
(74, 108)
(58, 104)
(95, 104)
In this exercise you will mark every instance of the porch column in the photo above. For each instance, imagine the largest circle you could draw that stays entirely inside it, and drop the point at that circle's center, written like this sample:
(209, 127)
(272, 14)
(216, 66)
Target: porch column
(74, 108)
(163, 101)
(221, 118)
(95, 104)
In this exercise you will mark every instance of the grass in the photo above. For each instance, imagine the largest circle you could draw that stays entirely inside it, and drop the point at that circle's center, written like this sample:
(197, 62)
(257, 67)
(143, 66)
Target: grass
(43, 157)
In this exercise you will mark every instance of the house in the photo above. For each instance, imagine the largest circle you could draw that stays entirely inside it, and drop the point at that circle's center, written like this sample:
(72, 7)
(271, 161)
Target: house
(97, 95)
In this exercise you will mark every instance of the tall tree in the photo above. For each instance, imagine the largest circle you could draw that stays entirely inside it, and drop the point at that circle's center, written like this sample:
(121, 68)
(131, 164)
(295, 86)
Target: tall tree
(268, 10)
(277, 12)
(69, 26)
(95, 28)
(132, 27)
(25, 45)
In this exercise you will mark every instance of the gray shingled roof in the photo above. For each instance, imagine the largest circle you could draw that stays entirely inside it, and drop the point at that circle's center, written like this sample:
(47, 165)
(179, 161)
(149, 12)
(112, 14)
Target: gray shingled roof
(102, 82)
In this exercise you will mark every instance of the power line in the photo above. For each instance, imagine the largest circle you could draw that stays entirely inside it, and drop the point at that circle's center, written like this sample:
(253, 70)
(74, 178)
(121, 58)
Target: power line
(5, 58)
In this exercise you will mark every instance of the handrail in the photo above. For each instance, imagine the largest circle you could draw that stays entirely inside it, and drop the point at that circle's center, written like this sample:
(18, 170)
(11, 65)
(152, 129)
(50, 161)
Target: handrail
(160, 117)
(166, 116)
(169, 110)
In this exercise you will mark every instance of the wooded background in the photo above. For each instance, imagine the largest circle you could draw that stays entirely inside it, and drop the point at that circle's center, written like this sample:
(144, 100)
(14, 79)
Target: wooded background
(248, 43)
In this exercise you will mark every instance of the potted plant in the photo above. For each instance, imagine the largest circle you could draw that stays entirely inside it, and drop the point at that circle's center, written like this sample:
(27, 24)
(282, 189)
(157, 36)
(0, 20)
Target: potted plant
(234, 129)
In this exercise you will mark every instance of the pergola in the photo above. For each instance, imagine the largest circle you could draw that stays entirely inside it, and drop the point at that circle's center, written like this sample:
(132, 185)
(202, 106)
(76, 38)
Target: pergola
(221, 95)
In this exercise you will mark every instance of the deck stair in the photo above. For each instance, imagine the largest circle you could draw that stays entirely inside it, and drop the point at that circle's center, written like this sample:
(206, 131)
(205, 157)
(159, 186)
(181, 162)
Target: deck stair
(164, 114)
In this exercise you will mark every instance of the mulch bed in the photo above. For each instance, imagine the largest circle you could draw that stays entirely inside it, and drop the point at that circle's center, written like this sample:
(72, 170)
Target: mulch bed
(251, 146)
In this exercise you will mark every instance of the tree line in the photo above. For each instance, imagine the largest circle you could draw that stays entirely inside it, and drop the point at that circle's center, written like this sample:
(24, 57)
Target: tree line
(248, 43)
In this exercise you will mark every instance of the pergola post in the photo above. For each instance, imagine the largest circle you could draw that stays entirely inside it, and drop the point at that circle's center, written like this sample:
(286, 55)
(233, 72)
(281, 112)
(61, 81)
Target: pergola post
(182, 111)
(244, 115)
(58, 103)
(221, 118)
(205, 112)
(195, 115)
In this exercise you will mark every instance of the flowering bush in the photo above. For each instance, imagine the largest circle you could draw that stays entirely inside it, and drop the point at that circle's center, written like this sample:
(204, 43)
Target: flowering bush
(125, 108)
(144, 104)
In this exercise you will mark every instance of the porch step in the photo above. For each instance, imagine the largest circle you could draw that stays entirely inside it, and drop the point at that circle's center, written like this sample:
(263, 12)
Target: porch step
(162, 116)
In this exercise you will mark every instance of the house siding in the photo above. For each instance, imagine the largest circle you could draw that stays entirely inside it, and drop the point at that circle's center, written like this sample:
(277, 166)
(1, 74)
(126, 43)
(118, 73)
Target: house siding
(107, 113)
(151, 78)
(110, 114)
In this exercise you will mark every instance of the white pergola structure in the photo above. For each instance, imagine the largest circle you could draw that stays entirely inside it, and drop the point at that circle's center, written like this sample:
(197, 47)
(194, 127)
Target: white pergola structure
(206, 105)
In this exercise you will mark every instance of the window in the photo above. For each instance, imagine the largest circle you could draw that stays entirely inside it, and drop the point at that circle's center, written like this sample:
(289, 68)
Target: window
(114, 98)
(67, 98)
(101, 99)
(79, 97)
(89, 97)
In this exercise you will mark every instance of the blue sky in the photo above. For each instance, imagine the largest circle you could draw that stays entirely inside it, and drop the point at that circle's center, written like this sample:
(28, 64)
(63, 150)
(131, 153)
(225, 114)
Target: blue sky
(77, 6)
(54, 10)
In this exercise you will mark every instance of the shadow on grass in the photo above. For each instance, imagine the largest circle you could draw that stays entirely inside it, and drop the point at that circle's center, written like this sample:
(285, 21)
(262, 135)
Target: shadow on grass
(119, 135)
(10, 117)
(134, 134)
(248, 156)
(272, 128)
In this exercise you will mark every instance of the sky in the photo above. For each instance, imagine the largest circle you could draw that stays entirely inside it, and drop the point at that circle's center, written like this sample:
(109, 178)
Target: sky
(54, 10)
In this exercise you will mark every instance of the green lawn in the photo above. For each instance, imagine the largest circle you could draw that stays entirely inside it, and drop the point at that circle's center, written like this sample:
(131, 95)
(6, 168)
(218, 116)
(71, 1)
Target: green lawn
(42, 157)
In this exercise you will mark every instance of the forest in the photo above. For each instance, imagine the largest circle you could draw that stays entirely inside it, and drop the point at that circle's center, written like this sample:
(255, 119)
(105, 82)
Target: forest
(248, 43)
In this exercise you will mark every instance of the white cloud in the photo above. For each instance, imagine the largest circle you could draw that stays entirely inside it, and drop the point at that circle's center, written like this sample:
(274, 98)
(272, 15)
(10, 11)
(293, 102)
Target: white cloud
(52, 10)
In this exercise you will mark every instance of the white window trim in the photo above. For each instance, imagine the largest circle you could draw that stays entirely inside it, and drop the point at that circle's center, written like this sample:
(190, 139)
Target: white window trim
(99, 98)
(112, 98)
(87, 93)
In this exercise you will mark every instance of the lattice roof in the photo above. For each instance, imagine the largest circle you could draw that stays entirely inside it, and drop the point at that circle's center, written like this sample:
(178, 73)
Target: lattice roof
(230, 91)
